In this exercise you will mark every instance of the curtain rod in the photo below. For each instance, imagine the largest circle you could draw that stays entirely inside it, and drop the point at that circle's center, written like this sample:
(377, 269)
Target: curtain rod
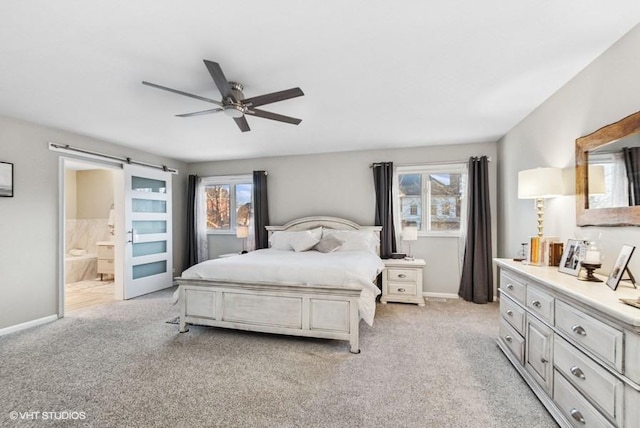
(68, 148)
(429, 163)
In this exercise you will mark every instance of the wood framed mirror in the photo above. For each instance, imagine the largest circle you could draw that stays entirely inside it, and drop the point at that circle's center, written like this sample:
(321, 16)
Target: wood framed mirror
(608, 175)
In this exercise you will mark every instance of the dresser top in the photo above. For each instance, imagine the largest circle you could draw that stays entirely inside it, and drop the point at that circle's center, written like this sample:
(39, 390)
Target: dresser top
(596, 295)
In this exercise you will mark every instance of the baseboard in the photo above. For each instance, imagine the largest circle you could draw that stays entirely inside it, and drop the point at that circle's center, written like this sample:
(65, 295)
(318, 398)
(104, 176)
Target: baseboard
(28, 324)
(428, 295)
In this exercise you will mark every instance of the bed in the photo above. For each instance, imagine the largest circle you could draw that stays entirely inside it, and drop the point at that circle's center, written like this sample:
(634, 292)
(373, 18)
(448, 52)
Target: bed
(321, 291)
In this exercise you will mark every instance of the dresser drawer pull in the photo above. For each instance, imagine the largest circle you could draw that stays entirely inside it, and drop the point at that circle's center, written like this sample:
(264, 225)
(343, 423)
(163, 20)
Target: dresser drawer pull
(508, 338)
(577, 372)
(509, 312)
(536, 304)
(575, 414)
(510, 286)
(401, 290)
(543, 360)
(402, 275)
(577, 329)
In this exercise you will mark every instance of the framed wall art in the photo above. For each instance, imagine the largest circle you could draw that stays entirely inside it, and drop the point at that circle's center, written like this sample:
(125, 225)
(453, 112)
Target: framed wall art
(6, 179)
(620, 267)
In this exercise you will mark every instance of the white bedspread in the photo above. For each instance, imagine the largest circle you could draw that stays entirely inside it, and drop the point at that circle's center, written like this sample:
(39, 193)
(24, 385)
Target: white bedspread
(309, 267)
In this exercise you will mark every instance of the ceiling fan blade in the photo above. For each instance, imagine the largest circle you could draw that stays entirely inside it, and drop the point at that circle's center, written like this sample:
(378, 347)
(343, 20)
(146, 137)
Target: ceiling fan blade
(242, 123)
(273, 116)
(219, 78)
(175, 91)
(198, 113)
(273, 97)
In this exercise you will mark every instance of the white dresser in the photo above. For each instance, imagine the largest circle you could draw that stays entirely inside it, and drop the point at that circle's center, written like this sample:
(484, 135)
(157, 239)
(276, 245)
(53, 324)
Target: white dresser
(402, 281)
(574, 343)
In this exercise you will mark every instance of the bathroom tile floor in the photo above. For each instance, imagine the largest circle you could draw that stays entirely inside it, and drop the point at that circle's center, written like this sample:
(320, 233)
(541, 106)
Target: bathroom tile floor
(88, 293)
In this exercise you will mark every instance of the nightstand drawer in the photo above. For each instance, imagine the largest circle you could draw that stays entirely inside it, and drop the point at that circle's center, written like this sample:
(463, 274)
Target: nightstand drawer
(594, 335)
(105, 251)
(402, 289)
(540, 303)
(512, 340)
(578, 411)
(395, 274)
(515, 289)
(105, 266)
(590, 378)
(512, 313)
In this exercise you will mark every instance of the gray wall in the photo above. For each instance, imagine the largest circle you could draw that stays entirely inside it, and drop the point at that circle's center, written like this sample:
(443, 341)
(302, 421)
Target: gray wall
(29, 221)
(604, 92)
(341, 184)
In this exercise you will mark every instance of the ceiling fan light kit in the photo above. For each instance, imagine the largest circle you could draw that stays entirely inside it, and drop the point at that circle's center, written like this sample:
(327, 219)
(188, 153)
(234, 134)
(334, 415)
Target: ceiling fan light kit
(233, 103)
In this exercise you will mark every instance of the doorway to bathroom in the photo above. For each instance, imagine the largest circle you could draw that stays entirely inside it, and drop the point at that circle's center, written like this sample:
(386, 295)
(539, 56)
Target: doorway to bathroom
(89, 222)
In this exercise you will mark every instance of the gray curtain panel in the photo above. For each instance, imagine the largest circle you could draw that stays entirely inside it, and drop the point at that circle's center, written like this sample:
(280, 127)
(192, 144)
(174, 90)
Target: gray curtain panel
(383, 182)
(476, 283)
(632, 166)
(260, 209)
(192, 232)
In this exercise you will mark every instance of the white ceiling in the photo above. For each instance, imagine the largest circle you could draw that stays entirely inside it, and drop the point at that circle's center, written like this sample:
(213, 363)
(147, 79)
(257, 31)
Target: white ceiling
(376, 74)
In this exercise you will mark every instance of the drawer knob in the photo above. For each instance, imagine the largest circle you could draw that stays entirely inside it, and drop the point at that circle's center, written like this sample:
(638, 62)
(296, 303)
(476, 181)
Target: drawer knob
(577, 372)
(578, 329)
(401, 290)
(402, 275)
(510, 286)
(508, 338)
(575, 414)
(509, 312)
(543, 360)
(536, 304)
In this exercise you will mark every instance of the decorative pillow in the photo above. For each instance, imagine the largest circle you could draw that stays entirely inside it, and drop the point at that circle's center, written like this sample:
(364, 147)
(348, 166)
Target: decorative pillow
(281, 240)
(355, 240)
(303, 241)
(328, 244)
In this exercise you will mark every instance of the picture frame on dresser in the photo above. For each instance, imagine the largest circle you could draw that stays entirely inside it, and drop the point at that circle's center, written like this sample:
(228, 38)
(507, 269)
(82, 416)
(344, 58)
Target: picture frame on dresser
(620, 267)
(570, 261)
(6, 179)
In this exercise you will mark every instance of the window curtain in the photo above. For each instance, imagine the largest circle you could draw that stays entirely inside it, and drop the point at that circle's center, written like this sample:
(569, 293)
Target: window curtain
(383, 182)
(260, 210)
(476, 283)
(197, 242)
(632, 166)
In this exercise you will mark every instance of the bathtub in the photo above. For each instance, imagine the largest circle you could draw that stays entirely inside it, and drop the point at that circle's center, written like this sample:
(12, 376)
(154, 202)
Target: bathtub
(80, 268)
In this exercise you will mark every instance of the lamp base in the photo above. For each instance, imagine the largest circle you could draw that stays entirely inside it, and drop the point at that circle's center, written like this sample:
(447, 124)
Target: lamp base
(590, 267)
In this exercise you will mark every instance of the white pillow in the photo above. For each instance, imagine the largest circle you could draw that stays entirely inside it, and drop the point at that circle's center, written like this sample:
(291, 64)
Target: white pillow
(355, 240)
(328, 244)
(281, 240)
(303, 241)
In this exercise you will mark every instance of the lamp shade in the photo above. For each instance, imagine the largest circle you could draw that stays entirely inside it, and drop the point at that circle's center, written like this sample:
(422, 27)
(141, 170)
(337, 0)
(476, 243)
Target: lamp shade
(409, 233)
(242, 231)
(596, 180)
(540, 183)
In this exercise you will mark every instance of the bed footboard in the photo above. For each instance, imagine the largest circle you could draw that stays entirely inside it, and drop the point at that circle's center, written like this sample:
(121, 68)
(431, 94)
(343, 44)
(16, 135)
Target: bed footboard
(300, 310)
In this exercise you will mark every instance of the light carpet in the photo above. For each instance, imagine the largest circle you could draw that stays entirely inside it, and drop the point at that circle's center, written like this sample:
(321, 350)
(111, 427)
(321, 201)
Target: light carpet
(124, 365)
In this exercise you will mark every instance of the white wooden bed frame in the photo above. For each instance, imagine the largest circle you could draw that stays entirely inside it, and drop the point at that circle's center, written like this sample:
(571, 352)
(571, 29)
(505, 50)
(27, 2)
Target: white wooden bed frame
(321, 311)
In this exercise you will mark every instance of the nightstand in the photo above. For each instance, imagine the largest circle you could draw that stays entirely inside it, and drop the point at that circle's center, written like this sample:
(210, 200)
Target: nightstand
(402, 281)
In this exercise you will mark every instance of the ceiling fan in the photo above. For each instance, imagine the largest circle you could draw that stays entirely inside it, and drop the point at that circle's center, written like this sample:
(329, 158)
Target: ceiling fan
(233, 103)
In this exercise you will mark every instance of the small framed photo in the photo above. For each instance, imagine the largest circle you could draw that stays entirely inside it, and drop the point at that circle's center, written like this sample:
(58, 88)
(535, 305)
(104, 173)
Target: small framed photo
(620, 266)
(6, 179)
(570, 261)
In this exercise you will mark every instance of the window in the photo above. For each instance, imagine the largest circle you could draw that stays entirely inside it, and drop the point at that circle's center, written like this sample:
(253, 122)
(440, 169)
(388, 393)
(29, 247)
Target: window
(431, 197)
(228, 201)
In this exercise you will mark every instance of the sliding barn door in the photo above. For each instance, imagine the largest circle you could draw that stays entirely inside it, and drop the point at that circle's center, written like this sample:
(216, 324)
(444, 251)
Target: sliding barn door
(148, 246)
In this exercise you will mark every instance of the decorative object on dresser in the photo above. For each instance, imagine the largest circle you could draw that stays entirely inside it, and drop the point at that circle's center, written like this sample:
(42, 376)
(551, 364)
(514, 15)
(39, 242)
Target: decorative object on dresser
(621, 267)
(409, 234)
(105, 258)
(574, 344)
(539, 184)
(570, 261)
(402, 281)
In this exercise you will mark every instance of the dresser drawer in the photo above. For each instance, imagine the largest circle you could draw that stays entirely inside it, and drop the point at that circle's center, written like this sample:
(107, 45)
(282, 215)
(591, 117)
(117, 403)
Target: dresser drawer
(540, 303)
(514, 288)
(409, 275)
(512, 340)
(594, 335)
(578, 411)
(402, 289)
(105, 266)
(589, 377)
(513, 313)
(105, 251)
